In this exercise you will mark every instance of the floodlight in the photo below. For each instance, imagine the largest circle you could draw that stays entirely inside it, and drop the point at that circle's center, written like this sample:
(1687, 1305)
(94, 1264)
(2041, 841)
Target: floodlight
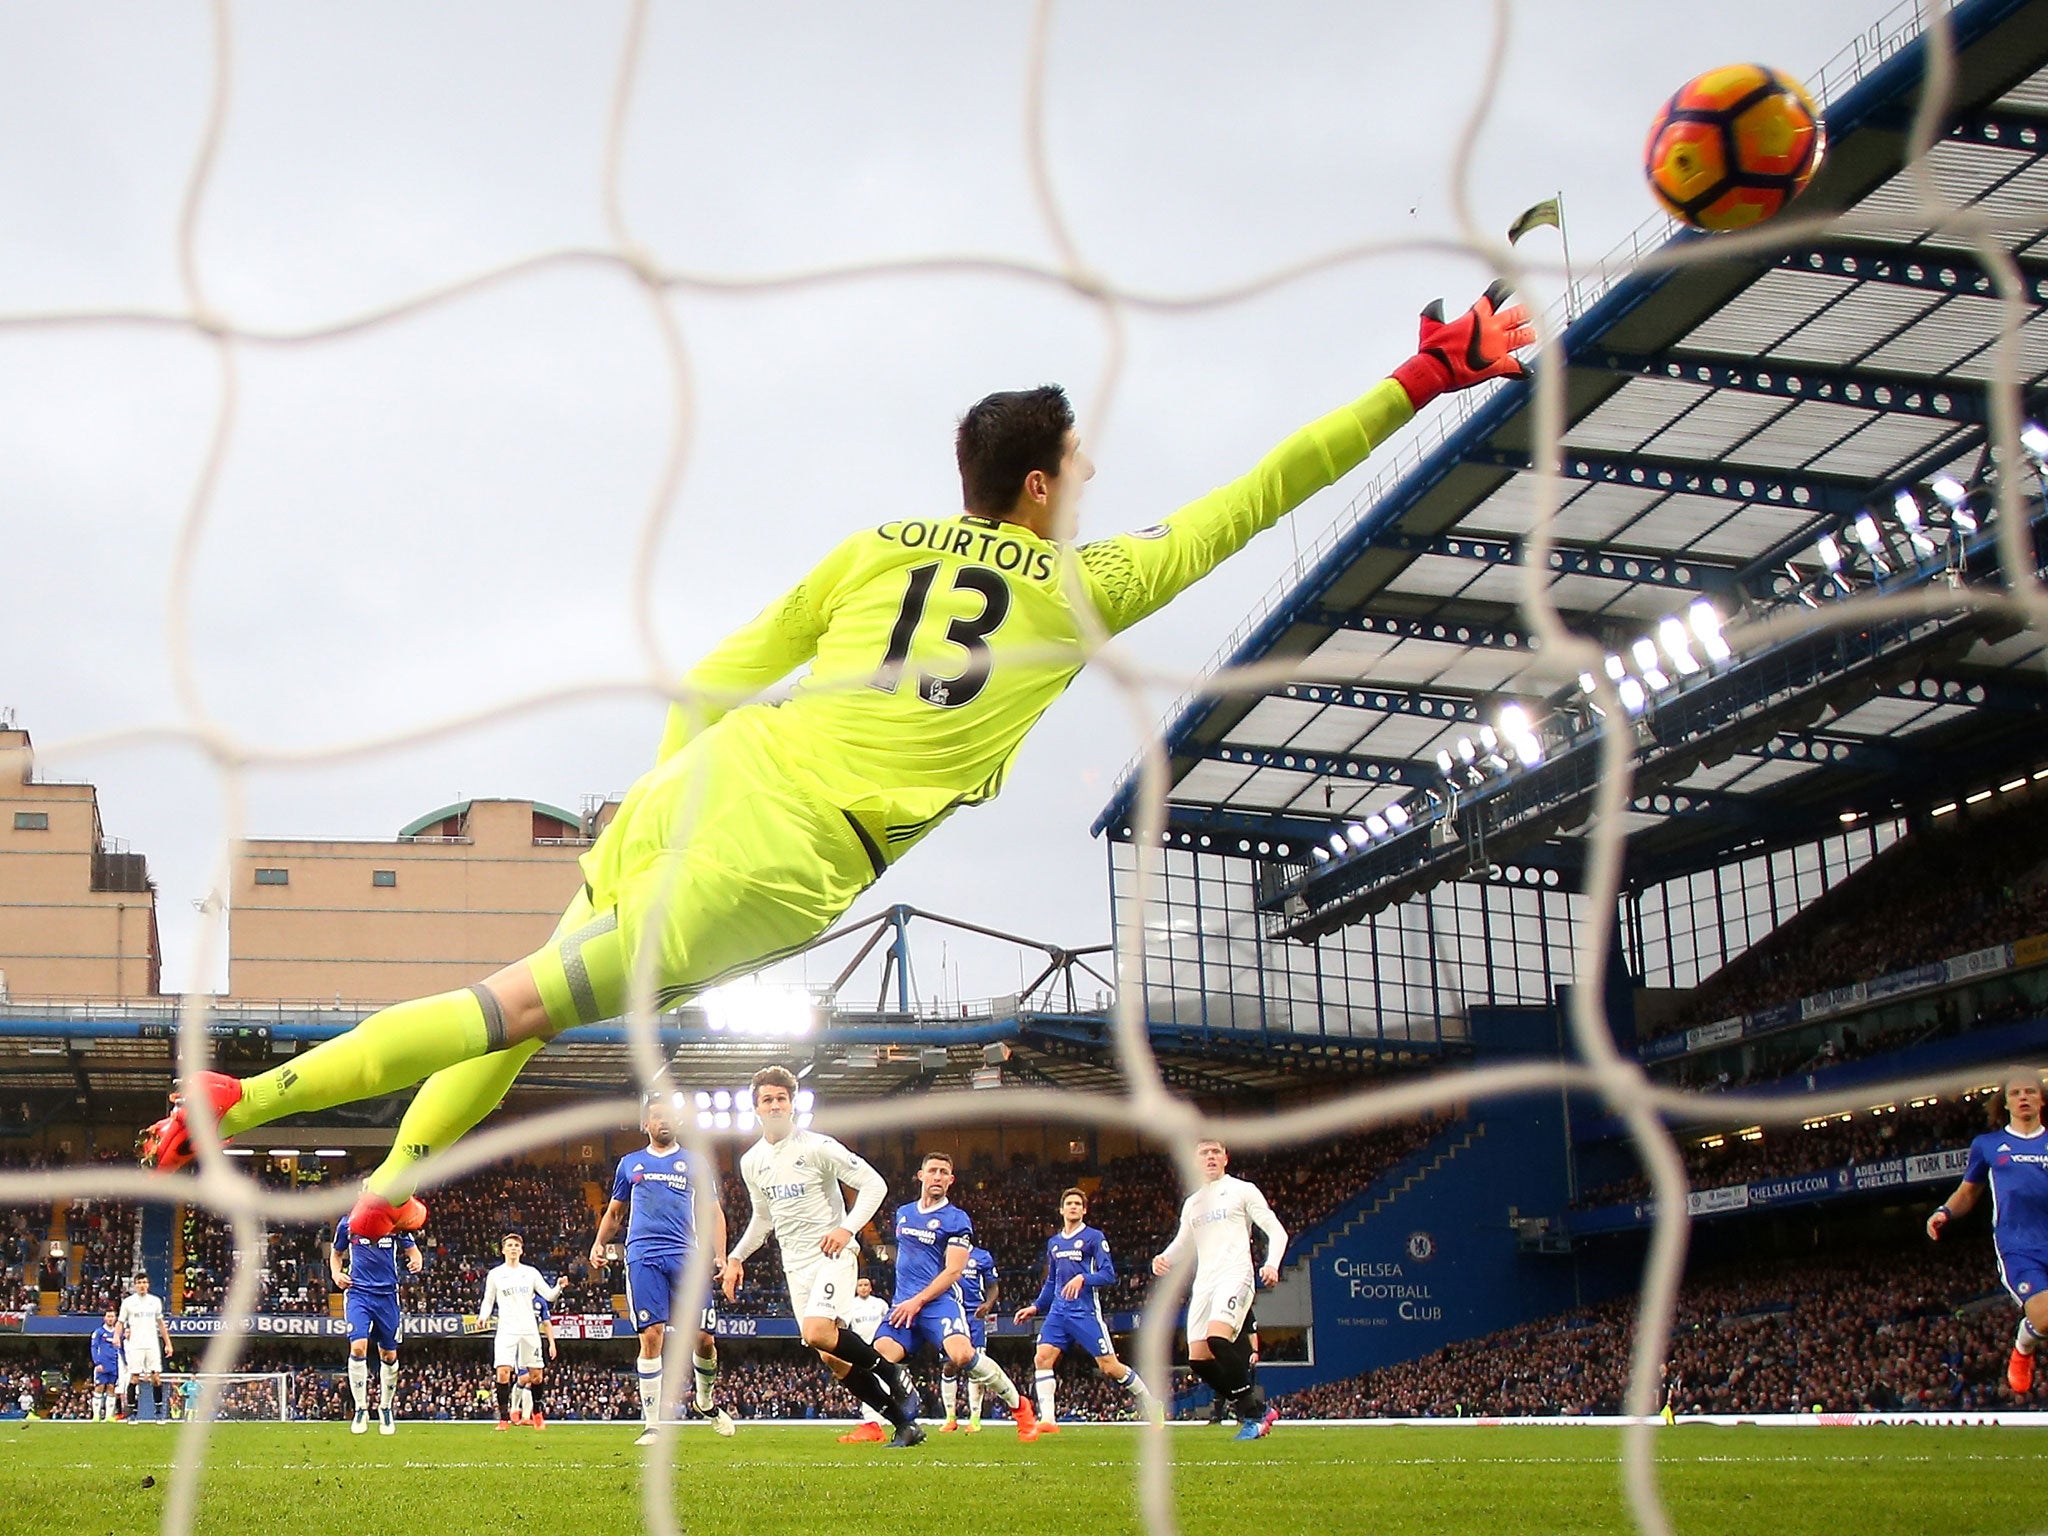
(1488, 738)
(1632, 696)
(1616, 668)
(1949, 489)
(1443, 763)
(721, 1100)
(1466, 751)
(1529, 749)
(703, 1099)
(1337, 841)
(2034, 438)
(1396, 815)
(1906, 509)
(1322, 855)
(1588, 684)
(1671, 635)
(1865, 528)
(759, 1009)
(1830, 552)
(1376, 825)
(1705, 622)
(805, 1099)
(1514, 721)
(1645, 653)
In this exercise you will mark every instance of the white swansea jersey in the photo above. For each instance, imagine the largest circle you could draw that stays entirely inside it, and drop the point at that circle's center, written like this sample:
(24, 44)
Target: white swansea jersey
(510, 1289)
(1218, 1219)
(864, 1315)
(796, 1182)
(140, 1317)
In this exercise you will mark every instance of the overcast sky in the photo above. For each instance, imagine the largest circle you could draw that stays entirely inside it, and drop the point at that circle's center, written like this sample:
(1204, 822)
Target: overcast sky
(441, 515)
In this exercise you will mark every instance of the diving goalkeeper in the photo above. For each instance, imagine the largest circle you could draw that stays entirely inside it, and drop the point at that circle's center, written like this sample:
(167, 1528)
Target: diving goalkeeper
(934, 645)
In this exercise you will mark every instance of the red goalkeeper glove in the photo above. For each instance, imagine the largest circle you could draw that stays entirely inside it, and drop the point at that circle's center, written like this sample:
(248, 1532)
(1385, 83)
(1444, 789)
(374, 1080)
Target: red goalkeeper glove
(1479, 344)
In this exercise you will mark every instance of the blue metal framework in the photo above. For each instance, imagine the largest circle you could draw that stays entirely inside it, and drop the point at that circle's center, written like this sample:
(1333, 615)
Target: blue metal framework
(1725, 418)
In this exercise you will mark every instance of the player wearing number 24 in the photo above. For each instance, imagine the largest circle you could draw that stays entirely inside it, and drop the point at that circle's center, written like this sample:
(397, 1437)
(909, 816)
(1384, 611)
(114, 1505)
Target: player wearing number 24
(934, 645)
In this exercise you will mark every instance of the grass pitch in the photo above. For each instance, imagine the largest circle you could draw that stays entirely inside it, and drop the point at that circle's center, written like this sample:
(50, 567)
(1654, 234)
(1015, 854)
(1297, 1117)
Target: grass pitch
(455, 1480)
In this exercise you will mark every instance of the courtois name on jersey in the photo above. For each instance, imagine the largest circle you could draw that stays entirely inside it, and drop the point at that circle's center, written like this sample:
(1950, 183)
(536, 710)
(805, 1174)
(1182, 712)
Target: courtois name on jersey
(661, 1189)
(922, 1238)
(2017, 1168)
(935, 645)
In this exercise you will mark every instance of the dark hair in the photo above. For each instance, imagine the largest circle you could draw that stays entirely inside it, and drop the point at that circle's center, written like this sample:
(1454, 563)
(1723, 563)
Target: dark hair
(936, 1157)
(780, 1077)
(1003, 437)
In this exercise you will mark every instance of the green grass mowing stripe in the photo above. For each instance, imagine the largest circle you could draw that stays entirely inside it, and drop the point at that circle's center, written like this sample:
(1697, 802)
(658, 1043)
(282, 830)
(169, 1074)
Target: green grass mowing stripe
(450, 1481)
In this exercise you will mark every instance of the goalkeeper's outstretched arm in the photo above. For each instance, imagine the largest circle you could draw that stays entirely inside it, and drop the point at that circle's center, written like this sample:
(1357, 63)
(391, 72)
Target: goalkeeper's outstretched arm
(1135, 574)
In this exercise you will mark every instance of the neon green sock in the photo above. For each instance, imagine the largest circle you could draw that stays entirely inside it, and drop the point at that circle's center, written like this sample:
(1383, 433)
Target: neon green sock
(390, 1050)
(448, 1104)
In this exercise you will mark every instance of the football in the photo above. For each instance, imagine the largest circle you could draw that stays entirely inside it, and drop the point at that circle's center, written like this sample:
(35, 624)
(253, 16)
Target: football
(1733, 147)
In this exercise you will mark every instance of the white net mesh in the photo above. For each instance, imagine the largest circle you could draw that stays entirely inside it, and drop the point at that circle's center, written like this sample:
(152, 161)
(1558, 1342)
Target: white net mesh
(236, 348)
(244, 1396)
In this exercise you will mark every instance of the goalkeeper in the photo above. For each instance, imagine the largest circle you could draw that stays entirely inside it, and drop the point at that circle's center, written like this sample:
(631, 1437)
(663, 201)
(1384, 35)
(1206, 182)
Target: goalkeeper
(934, 645)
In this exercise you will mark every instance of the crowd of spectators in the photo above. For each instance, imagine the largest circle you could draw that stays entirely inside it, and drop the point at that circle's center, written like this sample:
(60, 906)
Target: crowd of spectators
(1955, 885)
(1136, 1202)
(1775, 1152)
(1876, 1329)
(443, 1379)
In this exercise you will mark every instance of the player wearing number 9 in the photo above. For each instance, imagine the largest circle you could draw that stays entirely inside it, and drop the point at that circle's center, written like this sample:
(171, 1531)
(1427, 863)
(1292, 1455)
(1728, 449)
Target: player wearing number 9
(934, 645)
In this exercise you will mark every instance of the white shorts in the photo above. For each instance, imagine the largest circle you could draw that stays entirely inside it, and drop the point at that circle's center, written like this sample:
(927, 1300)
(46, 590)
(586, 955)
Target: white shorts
(521, 1351)
(143, 1358)
(1220, 1303)
(823, 1287)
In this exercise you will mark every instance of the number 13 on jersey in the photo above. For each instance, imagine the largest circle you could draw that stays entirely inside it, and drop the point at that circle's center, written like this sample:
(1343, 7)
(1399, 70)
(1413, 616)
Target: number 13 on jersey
(969, 633)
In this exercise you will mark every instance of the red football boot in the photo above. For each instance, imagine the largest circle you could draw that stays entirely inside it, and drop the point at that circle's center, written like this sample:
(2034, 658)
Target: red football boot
(167, 1145)
(373, 1216)
(2019, 1373)
(504, 1423)
(865, 1431)
(537, 1421)
(1026, 1416)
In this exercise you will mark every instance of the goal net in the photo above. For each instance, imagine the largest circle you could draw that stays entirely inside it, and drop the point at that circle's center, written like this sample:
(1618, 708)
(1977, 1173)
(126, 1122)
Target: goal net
(229, 1396)
(675, 265)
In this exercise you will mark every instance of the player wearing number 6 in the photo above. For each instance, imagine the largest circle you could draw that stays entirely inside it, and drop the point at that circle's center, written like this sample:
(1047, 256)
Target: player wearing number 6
(2014, 1162)
(1216, 1221)
(934, 644)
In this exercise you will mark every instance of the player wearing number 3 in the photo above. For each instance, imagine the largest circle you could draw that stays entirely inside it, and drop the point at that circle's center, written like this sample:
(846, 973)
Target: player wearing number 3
(934, 645)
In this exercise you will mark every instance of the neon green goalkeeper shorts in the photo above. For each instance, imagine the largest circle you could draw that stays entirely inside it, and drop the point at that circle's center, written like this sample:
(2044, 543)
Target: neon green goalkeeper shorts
(716, 862)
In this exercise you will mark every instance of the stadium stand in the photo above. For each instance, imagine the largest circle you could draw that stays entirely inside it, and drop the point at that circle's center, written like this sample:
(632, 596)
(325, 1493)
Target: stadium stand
(1878, 1328)
(1772, 1153)
(1956, 884)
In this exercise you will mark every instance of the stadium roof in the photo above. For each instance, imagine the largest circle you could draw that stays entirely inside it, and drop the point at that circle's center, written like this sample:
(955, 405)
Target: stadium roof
(1724, 419)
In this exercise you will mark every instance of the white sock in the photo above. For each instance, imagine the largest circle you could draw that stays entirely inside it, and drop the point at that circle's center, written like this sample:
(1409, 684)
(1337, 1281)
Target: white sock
(650, 1389)
(1133, 1385)
(387, 1383)
(2027, 1339)
(985, 1370)
(1044, 1381)
(522, 1401)
(868, 1415)
(973, 1400)
(706, 1368)
(949, 1392)
(359, 1382)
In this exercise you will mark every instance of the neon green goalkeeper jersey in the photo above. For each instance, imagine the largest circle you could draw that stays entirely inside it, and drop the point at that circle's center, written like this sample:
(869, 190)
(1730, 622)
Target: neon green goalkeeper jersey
(935, 645)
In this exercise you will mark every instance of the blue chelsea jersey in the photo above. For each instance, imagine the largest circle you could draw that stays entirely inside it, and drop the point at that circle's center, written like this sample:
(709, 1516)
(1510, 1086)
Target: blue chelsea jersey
(1085, 1253)
(372, 1261)
(977, 1277)
(922, 1238)
(2017, 1168)
(661, 1187)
